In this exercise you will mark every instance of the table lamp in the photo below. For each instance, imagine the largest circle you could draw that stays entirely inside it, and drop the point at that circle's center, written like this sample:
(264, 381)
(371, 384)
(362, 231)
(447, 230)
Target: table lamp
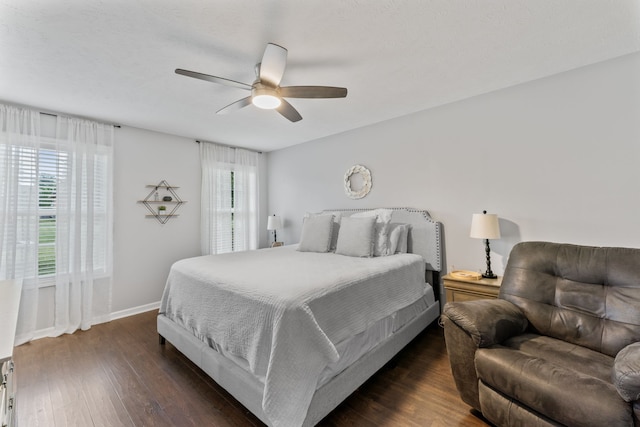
(273, 223)
(485, 226)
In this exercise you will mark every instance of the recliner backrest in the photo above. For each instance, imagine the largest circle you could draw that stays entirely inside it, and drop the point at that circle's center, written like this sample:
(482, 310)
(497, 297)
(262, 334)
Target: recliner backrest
(589, 296)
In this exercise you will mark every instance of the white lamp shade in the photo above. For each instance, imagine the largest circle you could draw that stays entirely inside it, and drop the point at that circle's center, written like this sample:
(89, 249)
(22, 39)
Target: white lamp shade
(485, 226)
(274, 223)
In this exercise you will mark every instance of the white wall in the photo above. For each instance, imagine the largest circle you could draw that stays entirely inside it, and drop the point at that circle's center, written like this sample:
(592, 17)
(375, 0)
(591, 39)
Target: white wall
(144, 249)
(557, 159)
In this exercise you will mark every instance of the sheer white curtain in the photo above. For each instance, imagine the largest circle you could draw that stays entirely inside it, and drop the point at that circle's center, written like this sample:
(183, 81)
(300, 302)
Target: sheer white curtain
(56, 218)
(83, 224)
(229, 199)
(19, 144)
(245, 200)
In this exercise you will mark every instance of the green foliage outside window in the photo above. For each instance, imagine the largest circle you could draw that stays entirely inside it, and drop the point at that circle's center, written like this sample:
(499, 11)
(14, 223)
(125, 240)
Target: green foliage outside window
(47, 225)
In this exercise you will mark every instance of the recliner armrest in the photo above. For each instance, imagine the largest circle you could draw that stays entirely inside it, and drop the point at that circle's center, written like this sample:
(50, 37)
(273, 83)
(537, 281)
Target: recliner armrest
(626, 372)
(487, 321)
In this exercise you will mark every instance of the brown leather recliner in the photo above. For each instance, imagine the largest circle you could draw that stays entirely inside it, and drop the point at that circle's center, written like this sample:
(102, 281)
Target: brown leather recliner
(560, 345)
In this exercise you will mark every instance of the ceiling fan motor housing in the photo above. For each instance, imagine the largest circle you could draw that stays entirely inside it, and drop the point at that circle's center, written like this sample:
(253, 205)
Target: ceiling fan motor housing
(264, 96)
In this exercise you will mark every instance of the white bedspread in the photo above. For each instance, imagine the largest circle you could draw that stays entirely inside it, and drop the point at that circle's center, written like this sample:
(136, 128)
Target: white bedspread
(283, 311)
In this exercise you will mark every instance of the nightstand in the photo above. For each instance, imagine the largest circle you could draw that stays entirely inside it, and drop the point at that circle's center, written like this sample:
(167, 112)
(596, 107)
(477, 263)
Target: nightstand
(468, 290)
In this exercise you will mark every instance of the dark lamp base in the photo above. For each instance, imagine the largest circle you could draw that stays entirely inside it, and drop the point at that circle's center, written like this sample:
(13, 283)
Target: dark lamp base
(488, 274)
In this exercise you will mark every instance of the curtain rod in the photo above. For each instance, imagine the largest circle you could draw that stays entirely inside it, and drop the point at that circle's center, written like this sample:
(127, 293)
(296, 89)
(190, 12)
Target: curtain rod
(56, 115)
(230, 146)
(28, 107)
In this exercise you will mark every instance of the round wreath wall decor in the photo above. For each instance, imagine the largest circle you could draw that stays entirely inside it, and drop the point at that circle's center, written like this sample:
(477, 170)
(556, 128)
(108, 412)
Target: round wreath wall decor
(366, 182)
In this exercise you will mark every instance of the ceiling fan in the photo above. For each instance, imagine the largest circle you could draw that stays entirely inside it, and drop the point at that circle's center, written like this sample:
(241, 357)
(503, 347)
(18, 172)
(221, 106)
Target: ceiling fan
(266, 91)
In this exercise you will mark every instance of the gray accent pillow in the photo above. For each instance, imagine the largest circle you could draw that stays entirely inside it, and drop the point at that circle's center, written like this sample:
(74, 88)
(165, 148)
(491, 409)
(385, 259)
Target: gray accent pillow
(356, 237)
(316, 234)
(398, 234)
(337, 216)
(381, 239)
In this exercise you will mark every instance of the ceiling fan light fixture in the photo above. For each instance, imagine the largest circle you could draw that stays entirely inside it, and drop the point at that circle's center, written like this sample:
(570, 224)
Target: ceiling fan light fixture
(267, 102)
(265, 98)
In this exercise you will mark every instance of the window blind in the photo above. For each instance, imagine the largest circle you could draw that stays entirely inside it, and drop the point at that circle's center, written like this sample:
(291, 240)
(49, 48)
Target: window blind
(224, 207)
(229, 199)
(40, 172)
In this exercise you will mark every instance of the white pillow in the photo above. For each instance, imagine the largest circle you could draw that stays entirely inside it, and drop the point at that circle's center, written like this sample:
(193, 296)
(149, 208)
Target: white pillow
(316, 233)
(337, 216)
(383, 218)
(356, 237)
(398, 234)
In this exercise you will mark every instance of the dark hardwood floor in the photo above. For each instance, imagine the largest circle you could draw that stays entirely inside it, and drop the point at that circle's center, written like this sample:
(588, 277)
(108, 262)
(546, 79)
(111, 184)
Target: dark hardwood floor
(116, 374)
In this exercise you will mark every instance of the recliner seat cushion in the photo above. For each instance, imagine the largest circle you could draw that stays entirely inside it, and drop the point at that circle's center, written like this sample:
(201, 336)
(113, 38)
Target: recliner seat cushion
(572, 356)
(559, 380)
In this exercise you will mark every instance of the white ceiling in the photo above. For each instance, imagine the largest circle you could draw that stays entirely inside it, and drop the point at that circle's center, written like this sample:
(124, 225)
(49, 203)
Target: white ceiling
(114, 60)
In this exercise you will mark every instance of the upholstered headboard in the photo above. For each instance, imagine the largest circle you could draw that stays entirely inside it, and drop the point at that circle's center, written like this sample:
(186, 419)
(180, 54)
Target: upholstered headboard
(425, 236)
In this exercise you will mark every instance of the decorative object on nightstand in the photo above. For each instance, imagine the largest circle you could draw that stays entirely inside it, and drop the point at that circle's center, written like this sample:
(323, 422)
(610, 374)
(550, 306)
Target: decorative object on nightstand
(274, 222)
(464, 288)
(485, 226)
(465, 275)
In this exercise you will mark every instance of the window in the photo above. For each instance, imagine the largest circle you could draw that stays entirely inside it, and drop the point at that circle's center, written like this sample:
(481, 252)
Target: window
(228, 245)
(232, 212)
(229, 199)
(42, 172)
(47, 185)
(55, 217)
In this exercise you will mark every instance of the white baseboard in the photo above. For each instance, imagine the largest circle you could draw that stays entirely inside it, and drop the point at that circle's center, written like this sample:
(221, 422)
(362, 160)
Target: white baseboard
(135, 310)
(47, 332)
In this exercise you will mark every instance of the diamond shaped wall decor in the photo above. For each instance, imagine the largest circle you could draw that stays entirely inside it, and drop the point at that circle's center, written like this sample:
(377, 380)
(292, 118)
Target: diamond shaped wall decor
(161, 196)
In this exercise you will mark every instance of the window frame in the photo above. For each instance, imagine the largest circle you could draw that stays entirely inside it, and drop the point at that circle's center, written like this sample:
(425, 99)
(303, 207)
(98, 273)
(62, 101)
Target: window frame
(53, 147)
(232, 211)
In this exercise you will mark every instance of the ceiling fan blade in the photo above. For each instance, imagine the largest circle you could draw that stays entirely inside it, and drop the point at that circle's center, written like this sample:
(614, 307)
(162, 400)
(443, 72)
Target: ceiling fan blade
(289, 112)
(235, 106)
(274, 61)
(213, 79)
(313, 92)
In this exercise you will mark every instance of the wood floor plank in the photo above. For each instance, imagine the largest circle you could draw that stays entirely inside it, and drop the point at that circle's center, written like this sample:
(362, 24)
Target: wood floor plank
(105, 406)
(73, 414)
(116, 374)
(34, 408)
(136, 397)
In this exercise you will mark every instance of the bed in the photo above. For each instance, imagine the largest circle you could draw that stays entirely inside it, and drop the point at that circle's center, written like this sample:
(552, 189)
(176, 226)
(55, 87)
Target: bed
(299, 330)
